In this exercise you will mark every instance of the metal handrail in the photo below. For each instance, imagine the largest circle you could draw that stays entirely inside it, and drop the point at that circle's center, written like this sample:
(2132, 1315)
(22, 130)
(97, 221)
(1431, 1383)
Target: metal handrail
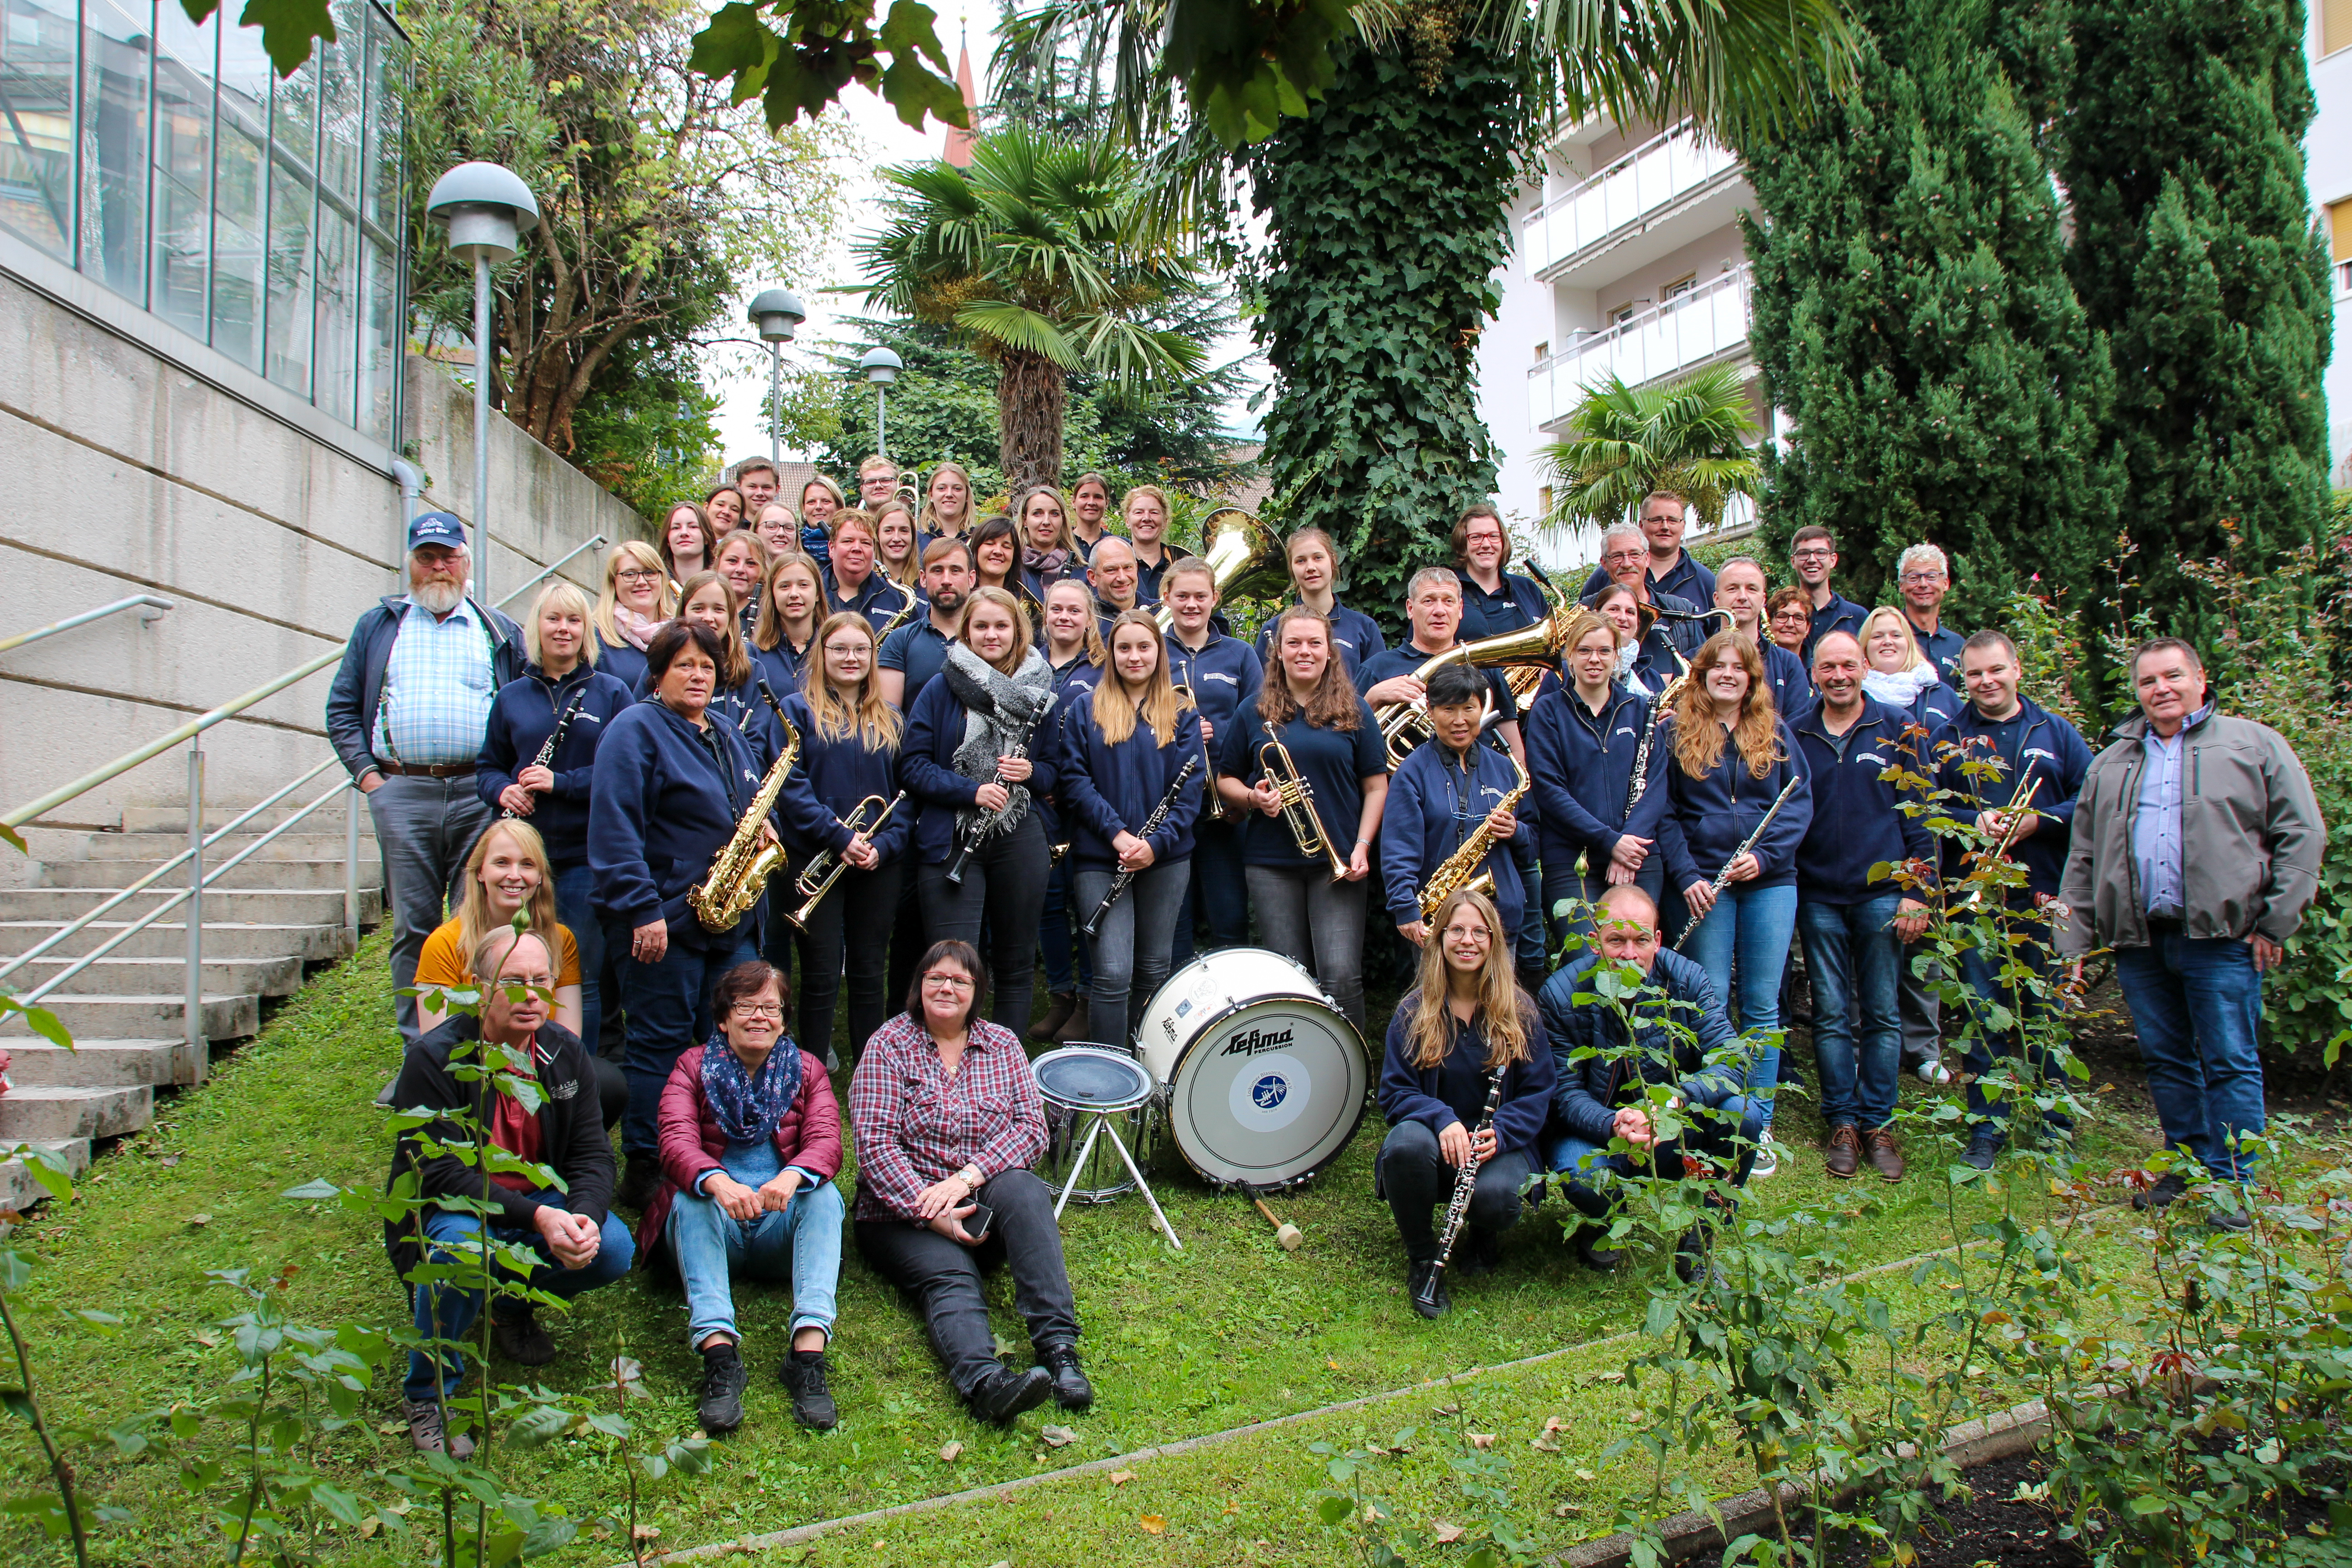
(1636, 322)
(151, 606)
(545, 572)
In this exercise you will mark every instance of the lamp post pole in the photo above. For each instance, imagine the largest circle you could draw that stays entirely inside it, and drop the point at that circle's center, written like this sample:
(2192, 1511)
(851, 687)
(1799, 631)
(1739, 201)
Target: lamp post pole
(484, 356)
(483, 206)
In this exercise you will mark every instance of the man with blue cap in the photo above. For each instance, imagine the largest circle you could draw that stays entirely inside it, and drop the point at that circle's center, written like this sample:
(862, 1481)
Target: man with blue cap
(407, 715)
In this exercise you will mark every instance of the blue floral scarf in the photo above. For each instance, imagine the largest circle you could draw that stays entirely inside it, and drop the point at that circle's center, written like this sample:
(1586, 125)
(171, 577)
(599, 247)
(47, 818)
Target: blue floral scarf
(748, 1108)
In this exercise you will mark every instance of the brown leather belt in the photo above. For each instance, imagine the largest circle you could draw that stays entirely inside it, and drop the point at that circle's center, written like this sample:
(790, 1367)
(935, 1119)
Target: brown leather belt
(425, 771)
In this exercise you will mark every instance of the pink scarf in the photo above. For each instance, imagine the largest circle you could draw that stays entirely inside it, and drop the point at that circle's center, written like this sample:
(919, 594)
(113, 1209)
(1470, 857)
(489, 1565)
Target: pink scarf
(637, 630)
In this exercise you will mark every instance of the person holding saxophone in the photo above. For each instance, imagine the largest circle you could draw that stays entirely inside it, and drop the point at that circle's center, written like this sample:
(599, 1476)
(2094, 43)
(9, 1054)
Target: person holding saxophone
(1452, 796)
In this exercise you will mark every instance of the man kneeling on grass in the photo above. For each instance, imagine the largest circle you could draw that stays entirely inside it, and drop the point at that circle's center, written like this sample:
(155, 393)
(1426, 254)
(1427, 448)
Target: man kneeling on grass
(583, 1243)
(1604, 1077)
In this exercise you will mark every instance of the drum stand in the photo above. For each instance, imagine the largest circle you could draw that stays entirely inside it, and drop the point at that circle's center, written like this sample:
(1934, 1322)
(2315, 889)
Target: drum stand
(1102, 1126)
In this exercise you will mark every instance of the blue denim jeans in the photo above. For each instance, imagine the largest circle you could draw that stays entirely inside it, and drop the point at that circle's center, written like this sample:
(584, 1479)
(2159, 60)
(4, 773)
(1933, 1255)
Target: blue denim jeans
(669, 1009)
(1853, 956)
(1132, 945)
(1591, 1168)
(1219, 892)
(2197, 1003)
(802, 1244)
(446, 1312)
(1747, 935)
(574, 888)
(2037, 1071)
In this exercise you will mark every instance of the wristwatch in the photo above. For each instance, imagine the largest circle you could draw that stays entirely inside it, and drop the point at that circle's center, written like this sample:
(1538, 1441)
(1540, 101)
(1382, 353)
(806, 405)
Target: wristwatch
(971, 1175)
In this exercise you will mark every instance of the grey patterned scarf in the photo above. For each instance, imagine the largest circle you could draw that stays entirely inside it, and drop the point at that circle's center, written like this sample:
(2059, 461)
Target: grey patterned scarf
(1000, 713)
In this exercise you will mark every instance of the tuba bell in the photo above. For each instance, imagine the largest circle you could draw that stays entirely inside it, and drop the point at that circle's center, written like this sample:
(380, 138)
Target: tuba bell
(1244, 558)
(1405, 725)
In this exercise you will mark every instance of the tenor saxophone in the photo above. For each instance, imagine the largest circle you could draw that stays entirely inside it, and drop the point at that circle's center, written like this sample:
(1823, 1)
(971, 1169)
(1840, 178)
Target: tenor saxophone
(739, 871)
(1460, 869)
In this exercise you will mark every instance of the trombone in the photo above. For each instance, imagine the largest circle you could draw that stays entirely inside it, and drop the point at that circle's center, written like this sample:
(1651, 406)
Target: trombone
(825, 866)
(1299, 813)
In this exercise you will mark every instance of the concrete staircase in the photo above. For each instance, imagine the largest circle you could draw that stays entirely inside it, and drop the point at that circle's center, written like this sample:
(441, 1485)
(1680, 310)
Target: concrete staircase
(264, 923)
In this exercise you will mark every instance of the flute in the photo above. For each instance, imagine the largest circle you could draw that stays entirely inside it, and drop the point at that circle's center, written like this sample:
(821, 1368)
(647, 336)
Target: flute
(1723, 878)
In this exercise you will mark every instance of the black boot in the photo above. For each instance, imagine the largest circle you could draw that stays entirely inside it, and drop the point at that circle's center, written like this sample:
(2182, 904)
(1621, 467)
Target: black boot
(1004, 1394)
(802, 1374)
(1418, 1280)
(1477, 1252)
(522, 1340)
(1592, 1252)
(1071, 1389)
(723, 1380)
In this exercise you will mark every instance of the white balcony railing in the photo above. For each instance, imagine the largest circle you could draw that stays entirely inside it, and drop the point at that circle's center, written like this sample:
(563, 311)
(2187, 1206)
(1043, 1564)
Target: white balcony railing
(1708, 323)
(1647, 180)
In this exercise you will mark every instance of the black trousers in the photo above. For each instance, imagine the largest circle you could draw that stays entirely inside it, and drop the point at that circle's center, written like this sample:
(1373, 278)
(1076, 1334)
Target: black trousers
(1004, 885)
(848, 937)
(1417, 1180)
(943, 1276)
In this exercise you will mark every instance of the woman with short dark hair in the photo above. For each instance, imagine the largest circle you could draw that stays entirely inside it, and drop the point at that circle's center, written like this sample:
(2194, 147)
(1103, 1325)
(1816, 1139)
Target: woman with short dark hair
(948, 1121)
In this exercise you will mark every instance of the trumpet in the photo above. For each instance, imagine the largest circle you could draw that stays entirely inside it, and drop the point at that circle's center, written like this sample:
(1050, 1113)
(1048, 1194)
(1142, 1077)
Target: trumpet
(1456, 873)
(1299, 813)
(825, 868)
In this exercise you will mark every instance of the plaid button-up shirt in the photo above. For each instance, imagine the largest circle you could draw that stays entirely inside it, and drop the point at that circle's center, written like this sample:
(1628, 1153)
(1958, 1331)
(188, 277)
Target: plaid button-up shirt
(437, 688)
(916, 1124)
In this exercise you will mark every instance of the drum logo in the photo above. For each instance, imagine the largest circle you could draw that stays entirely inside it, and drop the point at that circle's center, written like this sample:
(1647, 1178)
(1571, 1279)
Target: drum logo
(1269, 1091)
(1253, 1042)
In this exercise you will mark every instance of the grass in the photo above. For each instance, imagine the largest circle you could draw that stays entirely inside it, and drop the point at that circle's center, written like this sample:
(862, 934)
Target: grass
(1231, 1331)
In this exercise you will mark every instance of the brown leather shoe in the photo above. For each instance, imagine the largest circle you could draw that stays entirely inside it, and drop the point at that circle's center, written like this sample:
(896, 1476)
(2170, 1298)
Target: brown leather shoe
(1073, 1028)
(1845, 1149)
(1885, 1153)
(1057, 1015)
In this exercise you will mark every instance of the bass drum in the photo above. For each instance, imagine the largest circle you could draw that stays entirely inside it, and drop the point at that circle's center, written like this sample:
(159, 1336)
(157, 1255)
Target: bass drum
(1263, 1077)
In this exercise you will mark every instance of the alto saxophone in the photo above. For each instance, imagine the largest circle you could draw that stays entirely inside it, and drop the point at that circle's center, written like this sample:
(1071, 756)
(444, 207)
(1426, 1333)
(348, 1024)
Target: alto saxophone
(1456, 873)
(739, 871)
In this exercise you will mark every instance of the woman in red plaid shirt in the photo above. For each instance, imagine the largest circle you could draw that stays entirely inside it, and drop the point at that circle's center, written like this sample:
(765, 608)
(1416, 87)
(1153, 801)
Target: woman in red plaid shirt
(948, 1122)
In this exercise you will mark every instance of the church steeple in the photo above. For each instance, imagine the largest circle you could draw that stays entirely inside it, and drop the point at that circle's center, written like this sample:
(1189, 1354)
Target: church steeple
(958, 152)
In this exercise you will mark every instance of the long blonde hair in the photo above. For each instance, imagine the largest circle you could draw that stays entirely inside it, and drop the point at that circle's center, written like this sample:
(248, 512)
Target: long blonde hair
(738, 659)
(1022, 637)
(558, 595)
(859, 712)
(1502, 1006)
(932, 521)
(1698, 734)
(476, 920)
(643, 555)
(908, 572)
(770, 632)
(1161, 708)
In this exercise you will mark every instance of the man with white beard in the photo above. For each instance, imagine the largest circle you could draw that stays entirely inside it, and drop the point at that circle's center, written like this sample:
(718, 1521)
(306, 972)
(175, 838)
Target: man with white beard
(406, 714)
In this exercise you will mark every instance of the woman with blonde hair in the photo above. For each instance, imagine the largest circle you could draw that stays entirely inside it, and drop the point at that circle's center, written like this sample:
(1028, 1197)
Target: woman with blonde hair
(1125, 741)
(820, 498)
(895, 554)
(1074, 653)
(1144, 509)
(849, 751)
(1731, 757)
(946, 503)
(1899, 675)
(507, 873)
(687, 542)
(779, 528)
(743, 561)
(637, 600)
(789, 613)
(1464, 1024)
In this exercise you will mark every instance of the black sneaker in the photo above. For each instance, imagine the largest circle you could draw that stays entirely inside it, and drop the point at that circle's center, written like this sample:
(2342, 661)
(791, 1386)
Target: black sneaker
(522, 1340)
(1480, 1252)
(1982, 1153)
(426, 1430)
(638, 1182)
(1692, 1265)
(1592, 1254)
(1071, 1389)
(1417, 1288)
(2169, 1188)
(802, 1374)
(1005, 1393)
(723, 1380)
(2229, 1219)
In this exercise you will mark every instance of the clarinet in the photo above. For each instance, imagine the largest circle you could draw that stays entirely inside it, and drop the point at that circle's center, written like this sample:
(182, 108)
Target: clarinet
(554, 738)
(1465, 1183)
(1120, 883)
(1650, 732)
(983, 823)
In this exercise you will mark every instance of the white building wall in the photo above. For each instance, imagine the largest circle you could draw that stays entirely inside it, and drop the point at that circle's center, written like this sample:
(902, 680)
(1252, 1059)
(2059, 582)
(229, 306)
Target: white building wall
(2328, 166)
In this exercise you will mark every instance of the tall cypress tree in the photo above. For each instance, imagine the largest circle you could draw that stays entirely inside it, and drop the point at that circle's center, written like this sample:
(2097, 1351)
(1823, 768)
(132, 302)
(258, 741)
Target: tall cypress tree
(1914, 318)
(2195, 254)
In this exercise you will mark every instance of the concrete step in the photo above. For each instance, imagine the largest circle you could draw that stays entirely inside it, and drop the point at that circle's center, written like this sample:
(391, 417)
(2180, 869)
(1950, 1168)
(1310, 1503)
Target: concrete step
(257, 873)
(142, 1017)
(18, 1190)
(115, 975)
(217, 815)
(155, 847)
(105, 1064)
(169, 939)
(39, 1111)
(313, 906)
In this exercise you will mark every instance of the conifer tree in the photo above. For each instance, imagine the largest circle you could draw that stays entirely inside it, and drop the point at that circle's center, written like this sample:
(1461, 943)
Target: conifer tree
(1913, 321)
(2195, 255)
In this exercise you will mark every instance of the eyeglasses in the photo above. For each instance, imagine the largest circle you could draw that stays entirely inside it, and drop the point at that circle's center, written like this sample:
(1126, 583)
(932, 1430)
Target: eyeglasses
(639, 574)
(844, 649)
(1816, 553)
(945, 980)
(1910, 577)
(760, 1009)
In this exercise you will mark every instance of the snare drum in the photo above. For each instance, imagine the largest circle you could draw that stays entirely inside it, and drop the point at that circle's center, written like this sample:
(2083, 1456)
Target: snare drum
(1077, 1082)
(1261, 1078)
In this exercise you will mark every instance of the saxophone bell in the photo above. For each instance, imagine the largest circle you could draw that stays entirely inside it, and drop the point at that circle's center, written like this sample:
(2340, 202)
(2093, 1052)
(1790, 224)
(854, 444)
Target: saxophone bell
(739, 871)
(1455, 874)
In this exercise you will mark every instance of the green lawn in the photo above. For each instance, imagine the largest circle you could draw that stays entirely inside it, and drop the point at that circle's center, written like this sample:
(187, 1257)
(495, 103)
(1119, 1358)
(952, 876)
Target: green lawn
(1231, 1331)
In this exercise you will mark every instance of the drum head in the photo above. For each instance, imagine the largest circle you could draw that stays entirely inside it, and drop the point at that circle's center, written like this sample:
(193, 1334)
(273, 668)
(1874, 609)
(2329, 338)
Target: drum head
(1080, 1078)
(1269, 1093)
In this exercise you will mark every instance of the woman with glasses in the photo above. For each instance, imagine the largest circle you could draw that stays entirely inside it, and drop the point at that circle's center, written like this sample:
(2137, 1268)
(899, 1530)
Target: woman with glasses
(1789, 619)
(751, 1140)
(948, 1121)
(779, 528)
(637, 599)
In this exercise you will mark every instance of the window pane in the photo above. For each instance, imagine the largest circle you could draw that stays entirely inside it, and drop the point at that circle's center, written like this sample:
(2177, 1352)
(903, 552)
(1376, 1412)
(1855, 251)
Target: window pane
(36, 66)
(287, 325)
(245, 78)
(294, 126)
(339, 104)
(388, 71)
(379, 344)
(239, 193)
(116, 54)
(184, 164)
(339, 290)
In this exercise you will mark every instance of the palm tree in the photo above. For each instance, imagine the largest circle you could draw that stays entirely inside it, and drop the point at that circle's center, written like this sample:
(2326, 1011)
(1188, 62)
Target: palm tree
(1688, 435)
(1046, 256)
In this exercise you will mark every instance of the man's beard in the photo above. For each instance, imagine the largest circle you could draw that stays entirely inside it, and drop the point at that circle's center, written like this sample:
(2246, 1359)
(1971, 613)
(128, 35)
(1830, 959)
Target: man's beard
(439, 596)
(947, 600)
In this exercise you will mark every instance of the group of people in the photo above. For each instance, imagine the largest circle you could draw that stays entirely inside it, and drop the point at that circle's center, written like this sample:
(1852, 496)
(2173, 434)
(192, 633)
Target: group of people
(989, 744)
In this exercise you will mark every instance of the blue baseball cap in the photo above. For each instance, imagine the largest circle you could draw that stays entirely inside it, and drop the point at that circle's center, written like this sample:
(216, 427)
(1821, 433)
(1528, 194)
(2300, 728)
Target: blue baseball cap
(436, 527)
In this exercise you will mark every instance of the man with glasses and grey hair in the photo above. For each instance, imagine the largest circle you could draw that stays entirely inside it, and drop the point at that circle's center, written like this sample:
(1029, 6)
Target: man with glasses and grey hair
(1923, 576)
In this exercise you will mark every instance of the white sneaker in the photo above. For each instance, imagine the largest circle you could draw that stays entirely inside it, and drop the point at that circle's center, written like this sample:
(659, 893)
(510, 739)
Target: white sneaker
(1934, 1073)
(1767, 1162)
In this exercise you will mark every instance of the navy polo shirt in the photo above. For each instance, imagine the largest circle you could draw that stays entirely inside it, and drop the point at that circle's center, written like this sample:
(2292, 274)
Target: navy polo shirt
(1518, 602)
(919, 651)
(1837, 615)
(1941, 647)
(1334, 762)
(878, 599)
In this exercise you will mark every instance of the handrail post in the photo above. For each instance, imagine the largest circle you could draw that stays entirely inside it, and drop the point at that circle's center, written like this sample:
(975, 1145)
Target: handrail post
(199, 1047)
(351, 866)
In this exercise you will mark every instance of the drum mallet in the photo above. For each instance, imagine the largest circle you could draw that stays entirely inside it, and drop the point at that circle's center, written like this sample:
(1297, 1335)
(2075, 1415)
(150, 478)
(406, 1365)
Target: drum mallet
(1284, 1231)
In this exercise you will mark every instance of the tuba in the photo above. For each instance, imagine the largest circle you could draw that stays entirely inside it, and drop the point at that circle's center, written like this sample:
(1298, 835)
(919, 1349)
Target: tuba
(740, 870)
(1244, 558)
(1405, 725)
(1299, 813)
(1456, 873)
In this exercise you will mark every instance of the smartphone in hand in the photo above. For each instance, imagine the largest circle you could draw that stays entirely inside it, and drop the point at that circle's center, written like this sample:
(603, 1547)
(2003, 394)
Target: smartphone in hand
(976, 1223)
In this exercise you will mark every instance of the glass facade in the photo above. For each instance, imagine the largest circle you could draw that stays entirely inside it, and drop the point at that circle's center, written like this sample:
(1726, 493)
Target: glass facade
(167, 162)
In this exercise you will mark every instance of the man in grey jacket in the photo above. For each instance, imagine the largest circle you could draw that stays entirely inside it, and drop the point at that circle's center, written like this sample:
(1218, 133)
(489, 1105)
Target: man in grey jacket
(2195, 852)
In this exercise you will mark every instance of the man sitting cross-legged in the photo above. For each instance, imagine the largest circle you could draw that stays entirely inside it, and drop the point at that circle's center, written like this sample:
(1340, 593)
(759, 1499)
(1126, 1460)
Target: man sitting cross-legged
(1603, 1078)
(585, 1245)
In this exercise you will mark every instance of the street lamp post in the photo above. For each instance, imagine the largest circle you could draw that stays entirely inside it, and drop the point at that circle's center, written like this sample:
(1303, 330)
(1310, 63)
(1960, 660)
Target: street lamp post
(483, 206)
(776, 313)
(881, 367)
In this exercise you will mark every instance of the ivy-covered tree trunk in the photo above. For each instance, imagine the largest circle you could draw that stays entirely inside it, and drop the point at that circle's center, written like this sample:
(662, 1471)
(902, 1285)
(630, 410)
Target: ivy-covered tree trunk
(2194, 253)
(1914, 320)
(1032, 395)
(1387, 207)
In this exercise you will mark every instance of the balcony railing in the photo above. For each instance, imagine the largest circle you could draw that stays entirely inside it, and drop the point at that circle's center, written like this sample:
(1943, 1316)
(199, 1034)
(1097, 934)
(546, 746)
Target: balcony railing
(1647, 180)
(1708, 323)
